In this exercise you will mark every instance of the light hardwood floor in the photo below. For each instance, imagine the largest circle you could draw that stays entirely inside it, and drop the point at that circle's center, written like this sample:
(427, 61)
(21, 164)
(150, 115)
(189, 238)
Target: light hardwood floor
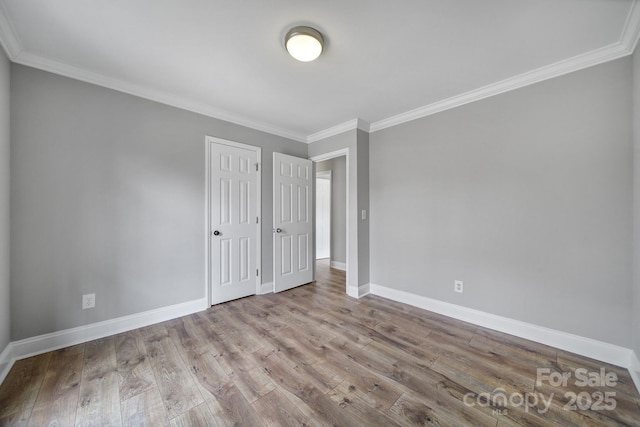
(310, 357)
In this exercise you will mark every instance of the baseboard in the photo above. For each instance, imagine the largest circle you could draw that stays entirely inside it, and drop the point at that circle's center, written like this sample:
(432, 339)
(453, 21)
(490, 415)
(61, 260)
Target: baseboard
(358, 292)
(265, 288)
(634, 369)
(610, 353)
(6, 361)
(364, 290)
(338, 265)
(56, 340)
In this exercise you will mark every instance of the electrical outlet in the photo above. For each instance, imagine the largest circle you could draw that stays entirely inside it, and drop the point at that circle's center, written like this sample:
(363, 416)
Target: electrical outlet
(88, 301)
(458, 286)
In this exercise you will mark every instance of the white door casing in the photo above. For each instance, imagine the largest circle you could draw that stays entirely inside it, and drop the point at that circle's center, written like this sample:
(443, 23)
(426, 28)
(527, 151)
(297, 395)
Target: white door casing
(234, 209)
(292, 222)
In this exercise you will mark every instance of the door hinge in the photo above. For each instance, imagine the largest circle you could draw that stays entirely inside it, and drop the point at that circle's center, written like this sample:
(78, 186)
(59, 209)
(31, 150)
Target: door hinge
(257, 167)
(257, 220)
(257, 272)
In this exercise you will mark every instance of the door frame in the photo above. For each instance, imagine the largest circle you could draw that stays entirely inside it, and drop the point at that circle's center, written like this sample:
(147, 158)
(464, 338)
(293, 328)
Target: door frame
(207, 210)
(352, 240)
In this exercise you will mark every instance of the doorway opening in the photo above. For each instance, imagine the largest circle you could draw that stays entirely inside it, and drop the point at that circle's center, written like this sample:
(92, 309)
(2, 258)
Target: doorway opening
(323, 215)
(331, 212)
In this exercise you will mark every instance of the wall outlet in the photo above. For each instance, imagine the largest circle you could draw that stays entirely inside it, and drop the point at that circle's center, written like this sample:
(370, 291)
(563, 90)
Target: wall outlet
(88, 301)
(458, 286)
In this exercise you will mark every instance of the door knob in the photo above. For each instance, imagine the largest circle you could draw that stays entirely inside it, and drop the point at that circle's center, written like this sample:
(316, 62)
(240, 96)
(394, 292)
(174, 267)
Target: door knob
(216, 233)
(278, 230)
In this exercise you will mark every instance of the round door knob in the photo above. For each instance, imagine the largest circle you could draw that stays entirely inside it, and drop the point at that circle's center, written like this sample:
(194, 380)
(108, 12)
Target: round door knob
(278, 230)
(216, 233)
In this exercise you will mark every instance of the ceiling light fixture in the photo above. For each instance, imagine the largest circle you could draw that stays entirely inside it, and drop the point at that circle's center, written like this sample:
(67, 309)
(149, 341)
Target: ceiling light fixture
(304, 43)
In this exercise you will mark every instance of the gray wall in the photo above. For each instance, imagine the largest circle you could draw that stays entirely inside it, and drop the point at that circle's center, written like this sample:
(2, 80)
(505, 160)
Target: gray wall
(338, 168)
(636, 192)
(108, 197)
(5, 307)
(525, 196)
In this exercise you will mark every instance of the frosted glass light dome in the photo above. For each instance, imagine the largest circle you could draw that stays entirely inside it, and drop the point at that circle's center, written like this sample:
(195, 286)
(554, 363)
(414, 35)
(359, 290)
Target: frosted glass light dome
(304, 43)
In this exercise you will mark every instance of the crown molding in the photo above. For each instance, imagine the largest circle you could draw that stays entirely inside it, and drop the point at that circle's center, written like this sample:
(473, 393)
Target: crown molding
(631, 31)
(558, 69)
(8, 39)
(338, 129)
(624, 47)
(35, 61)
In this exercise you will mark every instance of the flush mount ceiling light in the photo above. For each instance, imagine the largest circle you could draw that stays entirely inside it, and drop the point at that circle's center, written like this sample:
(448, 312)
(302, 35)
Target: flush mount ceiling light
(304, 43)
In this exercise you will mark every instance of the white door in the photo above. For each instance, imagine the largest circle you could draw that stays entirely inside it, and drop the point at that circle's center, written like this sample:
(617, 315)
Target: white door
(292, 222)
(323, 215)
(233, 220)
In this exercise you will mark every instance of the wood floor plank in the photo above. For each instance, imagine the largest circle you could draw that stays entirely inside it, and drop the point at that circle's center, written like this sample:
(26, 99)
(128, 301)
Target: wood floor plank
(465, 354)
(246, 377)
(144, 409)
(199, 416)
(184, 333)
(420, 411)
(413, 376)
(373, 389)
(483, 380)
(516, 355)
(569, 362)
(277, 411)
(20, 389)
(230, 357)
(420, 355)
(298, 386)
(252, 384)
(134, 368)
(99, 403)
(625, 405)
(57, 400)
(351, 402)
(325, 321)
(223, 398)
(175, 385)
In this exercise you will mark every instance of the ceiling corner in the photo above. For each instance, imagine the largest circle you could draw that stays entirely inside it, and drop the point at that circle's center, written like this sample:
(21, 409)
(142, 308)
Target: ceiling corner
(8, 38)
(631, 31)
(363, 125)
(338, 129)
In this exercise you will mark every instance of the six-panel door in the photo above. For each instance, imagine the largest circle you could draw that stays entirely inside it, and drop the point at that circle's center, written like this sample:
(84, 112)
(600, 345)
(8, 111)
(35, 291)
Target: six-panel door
(233, 222)
(292, 222)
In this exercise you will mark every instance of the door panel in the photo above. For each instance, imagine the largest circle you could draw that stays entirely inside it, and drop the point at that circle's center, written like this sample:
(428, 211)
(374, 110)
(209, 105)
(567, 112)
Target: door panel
(234, 211)
(293, 225)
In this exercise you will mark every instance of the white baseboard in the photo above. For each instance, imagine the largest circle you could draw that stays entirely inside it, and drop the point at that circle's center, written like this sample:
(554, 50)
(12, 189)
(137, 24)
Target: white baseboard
(352, 291)
(364, 290)
(358, 292)
(56, 340)
(610, 353)
(6, 361)
(265, 288)
(634, 369)
(338, 265)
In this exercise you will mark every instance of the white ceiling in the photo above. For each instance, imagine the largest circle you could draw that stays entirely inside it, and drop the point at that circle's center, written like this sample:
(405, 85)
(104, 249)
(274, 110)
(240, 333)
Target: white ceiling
(385, 62)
